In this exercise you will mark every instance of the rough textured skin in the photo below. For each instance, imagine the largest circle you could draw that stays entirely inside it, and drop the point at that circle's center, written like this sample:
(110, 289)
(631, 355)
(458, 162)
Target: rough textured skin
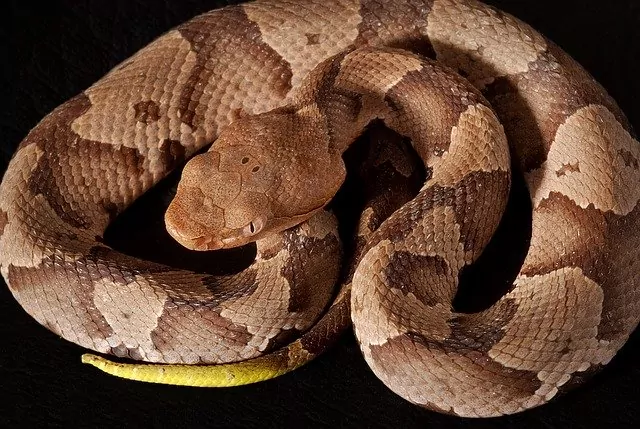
(323, 68)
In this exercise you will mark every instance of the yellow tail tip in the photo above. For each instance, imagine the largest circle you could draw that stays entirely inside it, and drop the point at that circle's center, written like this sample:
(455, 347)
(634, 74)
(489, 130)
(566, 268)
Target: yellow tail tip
(92, 360)
(224, 375)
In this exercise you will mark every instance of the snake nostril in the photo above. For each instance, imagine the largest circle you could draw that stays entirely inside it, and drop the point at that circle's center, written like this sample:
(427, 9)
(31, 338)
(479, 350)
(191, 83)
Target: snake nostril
(207, 203)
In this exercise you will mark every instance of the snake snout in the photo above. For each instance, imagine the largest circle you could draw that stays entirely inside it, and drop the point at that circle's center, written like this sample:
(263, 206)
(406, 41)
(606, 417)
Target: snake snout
(191, 224)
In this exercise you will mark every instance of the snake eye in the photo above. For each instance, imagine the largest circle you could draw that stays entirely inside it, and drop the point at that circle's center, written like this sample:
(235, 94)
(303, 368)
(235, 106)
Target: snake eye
(254, 227)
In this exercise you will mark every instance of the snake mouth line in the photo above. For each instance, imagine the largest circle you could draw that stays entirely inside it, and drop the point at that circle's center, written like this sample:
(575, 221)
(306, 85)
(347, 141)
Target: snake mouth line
(235, 237)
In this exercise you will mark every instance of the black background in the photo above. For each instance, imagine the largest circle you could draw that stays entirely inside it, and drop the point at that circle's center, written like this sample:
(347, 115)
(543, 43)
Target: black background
(54, 49)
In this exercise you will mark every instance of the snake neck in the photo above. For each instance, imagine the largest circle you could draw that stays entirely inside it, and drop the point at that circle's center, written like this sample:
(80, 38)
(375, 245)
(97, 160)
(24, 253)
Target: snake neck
(344, 94)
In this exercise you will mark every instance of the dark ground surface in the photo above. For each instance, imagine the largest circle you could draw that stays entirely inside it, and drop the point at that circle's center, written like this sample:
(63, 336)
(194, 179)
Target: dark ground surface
(53, 50)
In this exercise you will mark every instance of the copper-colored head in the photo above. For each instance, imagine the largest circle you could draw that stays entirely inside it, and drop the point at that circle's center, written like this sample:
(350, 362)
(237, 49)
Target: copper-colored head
(256, 180)
(211, 209)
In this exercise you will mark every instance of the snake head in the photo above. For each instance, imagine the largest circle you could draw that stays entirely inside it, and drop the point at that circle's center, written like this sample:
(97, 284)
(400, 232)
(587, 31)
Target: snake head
(264, 174)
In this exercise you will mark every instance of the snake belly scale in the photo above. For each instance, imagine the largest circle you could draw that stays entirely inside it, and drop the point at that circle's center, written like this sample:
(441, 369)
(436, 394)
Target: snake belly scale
(282, 88)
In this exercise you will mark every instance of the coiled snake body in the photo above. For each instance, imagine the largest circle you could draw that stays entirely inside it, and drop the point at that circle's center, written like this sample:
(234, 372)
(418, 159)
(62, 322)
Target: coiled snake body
(283, 88)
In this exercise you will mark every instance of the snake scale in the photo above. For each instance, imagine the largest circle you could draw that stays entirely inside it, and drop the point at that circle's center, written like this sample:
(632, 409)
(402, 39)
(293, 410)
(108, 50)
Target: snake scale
(282, 88)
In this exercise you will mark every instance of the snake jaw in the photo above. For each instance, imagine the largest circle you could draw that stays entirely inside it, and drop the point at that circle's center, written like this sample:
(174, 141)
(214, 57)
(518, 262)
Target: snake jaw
(240, 236)
(232, 238)
(196, 243)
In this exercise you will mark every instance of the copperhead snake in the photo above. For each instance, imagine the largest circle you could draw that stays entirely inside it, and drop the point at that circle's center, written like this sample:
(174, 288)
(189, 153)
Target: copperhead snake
(555, 116)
